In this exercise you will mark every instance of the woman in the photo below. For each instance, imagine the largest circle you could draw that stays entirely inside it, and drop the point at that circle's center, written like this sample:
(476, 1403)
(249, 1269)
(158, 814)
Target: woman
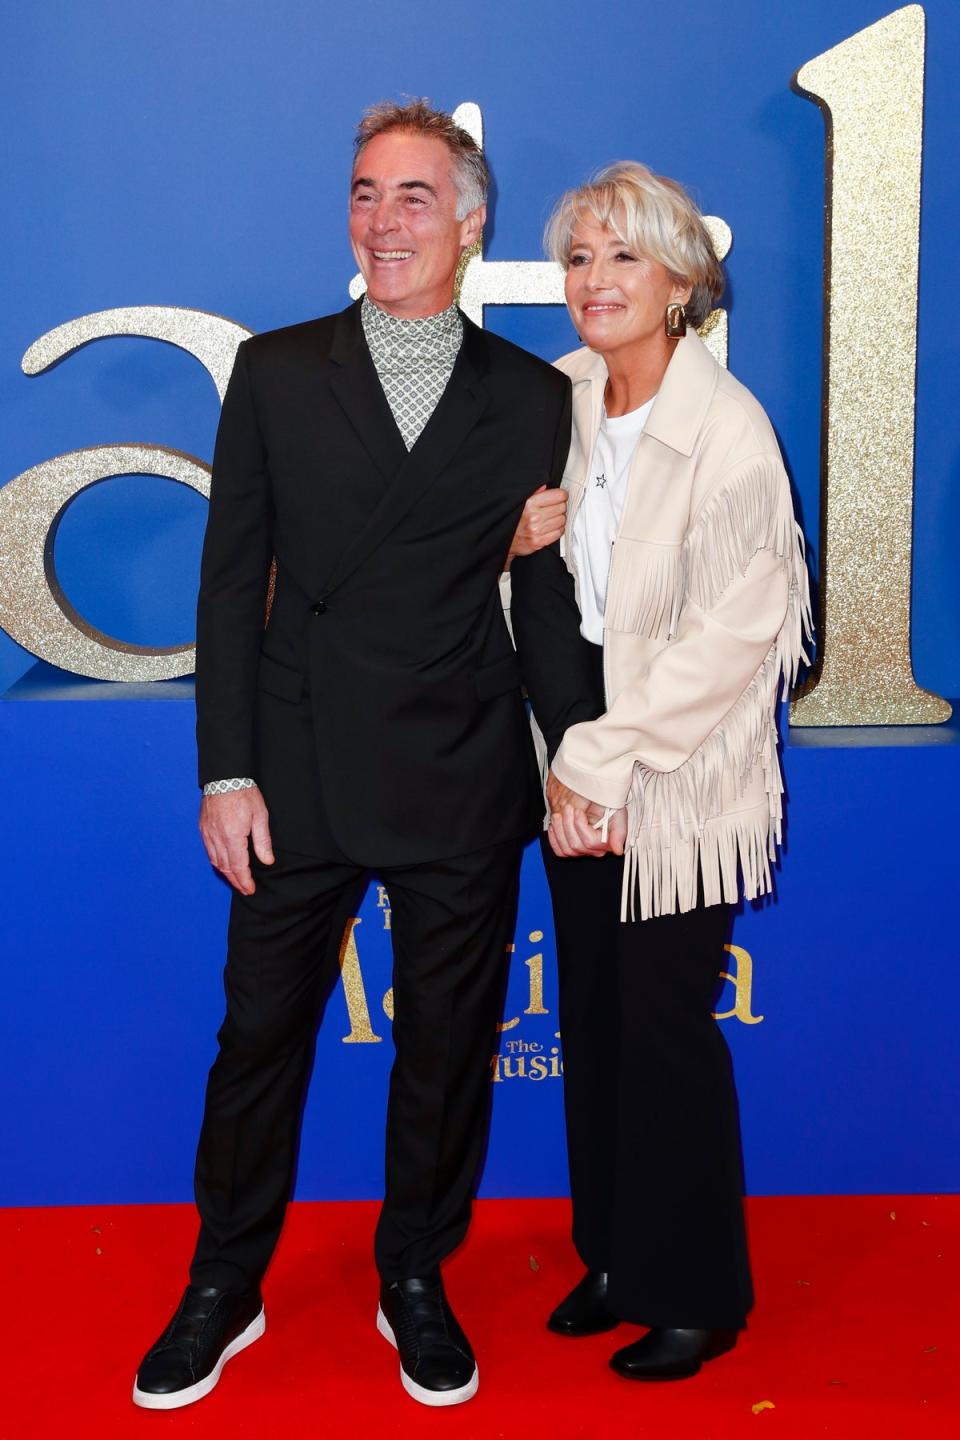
(682, 604)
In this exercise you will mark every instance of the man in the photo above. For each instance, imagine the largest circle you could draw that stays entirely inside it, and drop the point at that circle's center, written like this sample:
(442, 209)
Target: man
(383, 456)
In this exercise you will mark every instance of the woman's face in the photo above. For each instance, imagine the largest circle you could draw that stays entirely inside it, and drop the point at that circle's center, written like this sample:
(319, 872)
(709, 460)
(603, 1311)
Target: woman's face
(616, 296)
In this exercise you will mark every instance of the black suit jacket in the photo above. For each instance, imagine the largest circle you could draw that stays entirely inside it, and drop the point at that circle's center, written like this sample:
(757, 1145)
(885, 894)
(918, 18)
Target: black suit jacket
(384, 693)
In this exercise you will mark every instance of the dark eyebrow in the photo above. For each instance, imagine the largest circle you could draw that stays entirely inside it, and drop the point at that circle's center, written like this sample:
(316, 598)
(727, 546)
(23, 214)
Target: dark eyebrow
(403, 185)
(417, 185)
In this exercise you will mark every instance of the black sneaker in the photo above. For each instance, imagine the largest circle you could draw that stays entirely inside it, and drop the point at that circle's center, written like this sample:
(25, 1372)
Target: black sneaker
(436, 1362)
(208, 1328)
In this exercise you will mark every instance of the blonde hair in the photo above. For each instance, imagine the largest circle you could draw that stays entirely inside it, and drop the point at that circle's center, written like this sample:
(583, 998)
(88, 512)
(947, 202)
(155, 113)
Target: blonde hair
(471, 174)
(654, 216)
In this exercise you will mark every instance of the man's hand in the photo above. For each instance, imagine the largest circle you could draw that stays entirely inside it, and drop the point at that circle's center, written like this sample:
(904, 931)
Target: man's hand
(574, 823)
(227, 824)
(541, 523)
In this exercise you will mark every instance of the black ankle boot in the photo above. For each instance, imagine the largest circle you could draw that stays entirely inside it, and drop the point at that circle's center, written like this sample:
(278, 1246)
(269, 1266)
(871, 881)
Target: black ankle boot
(664, 1354)
(584, 1311)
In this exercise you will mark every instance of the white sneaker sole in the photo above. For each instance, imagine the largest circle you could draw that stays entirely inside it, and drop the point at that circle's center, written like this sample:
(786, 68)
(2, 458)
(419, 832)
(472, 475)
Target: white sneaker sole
(418, 1392)
(190, 1393)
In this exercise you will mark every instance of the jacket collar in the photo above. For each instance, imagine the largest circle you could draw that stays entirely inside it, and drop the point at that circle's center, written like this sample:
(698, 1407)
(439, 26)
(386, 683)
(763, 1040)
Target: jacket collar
(411, 474)
(682, 401)
(354, 382)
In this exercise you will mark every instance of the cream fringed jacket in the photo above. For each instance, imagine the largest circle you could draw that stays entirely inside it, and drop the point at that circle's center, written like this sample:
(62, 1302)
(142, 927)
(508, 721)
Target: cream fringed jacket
(707, 607)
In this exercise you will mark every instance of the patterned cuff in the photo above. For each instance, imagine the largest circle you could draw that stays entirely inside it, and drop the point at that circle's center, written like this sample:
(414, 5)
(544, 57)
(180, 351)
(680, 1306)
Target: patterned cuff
(223, 787)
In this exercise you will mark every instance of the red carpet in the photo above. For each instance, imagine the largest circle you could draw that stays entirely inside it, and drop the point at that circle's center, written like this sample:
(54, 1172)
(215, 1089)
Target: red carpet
(855, 1332)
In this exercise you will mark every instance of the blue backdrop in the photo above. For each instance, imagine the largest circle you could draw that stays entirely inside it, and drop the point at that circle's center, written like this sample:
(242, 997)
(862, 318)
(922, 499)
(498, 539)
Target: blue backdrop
(198, 156)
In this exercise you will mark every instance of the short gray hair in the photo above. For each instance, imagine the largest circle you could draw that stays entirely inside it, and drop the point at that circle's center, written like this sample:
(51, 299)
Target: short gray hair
(654, 216)
(471, 174)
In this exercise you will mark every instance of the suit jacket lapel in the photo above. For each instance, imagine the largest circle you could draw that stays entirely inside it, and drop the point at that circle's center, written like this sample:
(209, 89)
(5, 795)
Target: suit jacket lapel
(356, 386)
(458, 410)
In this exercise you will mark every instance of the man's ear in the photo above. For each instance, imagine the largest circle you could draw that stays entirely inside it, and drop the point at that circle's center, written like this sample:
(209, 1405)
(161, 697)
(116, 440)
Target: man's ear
(471, 227)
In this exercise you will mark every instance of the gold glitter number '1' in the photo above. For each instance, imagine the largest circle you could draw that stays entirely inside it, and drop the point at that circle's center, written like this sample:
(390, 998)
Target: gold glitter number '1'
(870, 88)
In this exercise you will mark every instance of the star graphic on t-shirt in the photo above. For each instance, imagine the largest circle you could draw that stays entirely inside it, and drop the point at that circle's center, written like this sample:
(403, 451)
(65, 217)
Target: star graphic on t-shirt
(601, 481)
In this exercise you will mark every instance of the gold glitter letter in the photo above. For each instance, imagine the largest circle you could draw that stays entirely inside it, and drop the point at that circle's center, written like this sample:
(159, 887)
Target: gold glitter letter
(33, 607)
(535, 966)
(870, 88)
(361, 1031)
(34, 611)
(742, 984)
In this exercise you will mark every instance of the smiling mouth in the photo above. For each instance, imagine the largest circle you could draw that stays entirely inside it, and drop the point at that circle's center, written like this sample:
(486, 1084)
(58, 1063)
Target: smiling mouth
(600, 309)
(391, 254)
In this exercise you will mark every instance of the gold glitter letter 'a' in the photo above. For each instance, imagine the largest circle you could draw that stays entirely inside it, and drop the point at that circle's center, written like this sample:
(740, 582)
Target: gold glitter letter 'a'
(34, 610)
(870, 89)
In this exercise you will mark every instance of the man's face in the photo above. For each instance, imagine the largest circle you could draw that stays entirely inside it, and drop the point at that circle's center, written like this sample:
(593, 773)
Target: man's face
(403, 223)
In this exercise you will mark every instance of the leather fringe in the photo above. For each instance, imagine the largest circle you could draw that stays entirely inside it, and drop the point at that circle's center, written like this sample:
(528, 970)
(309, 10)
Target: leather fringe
(676, 829)
(647, 585)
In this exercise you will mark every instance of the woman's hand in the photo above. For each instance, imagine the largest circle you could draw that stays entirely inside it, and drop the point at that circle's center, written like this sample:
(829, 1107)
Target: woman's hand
(574, 823)
(541, 523)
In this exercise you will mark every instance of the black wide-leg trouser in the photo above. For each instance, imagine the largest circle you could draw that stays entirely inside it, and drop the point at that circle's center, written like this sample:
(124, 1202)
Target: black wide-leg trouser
(652, 1119)
(450, 924)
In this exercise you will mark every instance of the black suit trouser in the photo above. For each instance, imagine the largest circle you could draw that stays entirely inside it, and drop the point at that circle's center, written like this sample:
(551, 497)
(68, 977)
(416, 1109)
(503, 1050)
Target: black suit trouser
(451, 922)
(652, 1118)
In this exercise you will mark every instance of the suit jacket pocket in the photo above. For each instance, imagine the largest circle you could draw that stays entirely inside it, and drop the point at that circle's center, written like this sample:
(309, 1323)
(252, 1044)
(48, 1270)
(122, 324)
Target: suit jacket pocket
(498, 678)
(280, 680)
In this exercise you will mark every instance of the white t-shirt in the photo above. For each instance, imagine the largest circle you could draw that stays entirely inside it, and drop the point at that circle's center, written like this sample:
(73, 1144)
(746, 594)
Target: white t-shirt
(598, 518)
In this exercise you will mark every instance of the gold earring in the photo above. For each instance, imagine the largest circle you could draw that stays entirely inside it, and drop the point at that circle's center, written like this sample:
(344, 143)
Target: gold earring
(675, 320)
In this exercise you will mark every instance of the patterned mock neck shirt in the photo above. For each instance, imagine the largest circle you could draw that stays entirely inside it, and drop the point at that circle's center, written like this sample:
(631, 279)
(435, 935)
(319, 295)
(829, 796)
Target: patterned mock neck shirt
(413, 360)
